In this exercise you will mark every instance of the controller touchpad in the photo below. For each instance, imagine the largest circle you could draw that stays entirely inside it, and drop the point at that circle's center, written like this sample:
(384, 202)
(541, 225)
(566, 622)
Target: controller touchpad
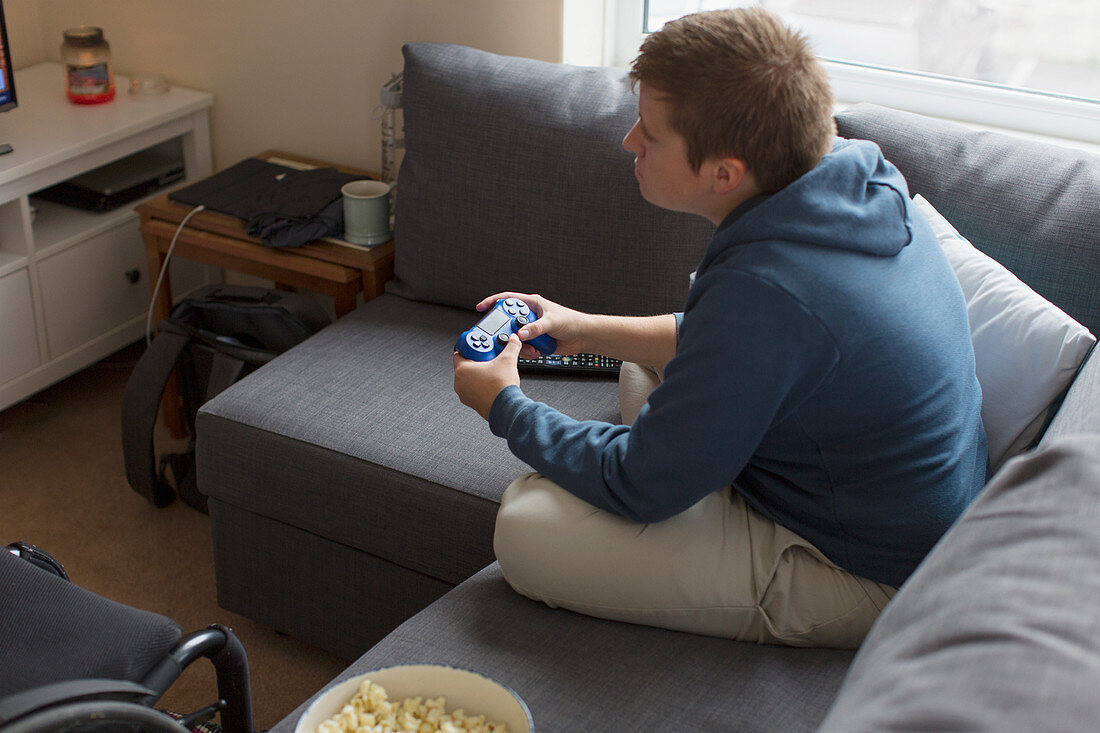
(494, 321)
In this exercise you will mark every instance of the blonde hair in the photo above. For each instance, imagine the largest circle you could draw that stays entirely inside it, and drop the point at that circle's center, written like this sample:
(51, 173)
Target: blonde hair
(741, 84)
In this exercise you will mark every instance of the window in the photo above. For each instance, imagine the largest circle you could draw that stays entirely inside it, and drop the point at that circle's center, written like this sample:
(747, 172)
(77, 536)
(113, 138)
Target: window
(1031, 65)
(1045, 45)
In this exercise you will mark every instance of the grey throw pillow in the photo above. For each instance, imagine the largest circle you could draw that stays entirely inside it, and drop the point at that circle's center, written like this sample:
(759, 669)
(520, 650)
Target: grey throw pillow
(514, 178)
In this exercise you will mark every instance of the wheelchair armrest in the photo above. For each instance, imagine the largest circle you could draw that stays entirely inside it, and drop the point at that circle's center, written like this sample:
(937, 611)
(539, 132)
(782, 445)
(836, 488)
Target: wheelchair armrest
(38, 557)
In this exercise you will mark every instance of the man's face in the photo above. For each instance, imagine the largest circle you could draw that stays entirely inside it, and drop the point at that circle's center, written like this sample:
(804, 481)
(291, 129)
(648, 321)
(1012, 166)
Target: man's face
(660, 157)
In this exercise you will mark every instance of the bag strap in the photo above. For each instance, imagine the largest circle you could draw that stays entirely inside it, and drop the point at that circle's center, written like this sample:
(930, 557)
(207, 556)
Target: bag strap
(182, 466)
(224, 371)
(140, 402)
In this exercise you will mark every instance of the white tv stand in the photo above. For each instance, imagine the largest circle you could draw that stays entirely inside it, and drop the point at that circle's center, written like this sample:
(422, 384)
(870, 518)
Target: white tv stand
(74, 285)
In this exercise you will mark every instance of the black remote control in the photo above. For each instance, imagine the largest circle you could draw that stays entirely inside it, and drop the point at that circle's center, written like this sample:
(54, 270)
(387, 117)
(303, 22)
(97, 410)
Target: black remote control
(575, 365)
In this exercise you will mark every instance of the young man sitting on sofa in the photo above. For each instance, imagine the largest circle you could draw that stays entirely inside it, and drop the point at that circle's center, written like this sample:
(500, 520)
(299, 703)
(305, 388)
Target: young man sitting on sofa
(814, 421)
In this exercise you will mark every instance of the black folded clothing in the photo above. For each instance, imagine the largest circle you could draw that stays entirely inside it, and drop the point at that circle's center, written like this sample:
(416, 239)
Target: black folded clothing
(284, 207)
(276, 230)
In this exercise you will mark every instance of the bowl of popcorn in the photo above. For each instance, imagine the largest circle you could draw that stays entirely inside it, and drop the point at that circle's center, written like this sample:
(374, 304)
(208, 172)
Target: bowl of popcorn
(422, 698)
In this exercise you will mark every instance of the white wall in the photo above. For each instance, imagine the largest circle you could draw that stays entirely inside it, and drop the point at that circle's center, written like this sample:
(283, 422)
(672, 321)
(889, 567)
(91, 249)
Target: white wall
(297, 75)
(24, 32)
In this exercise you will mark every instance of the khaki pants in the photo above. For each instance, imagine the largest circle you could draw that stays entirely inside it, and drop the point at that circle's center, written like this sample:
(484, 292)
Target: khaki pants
(719, 568)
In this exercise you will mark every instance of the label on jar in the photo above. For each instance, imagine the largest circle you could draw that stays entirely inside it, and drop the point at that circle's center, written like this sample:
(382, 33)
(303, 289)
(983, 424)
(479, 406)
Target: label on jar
(91, 79)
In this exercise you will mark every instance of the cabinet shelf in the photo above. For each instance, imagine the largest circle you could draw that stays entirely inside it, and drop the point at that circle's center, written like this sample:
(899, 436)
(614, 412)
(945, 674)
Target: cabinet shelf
(57, 226)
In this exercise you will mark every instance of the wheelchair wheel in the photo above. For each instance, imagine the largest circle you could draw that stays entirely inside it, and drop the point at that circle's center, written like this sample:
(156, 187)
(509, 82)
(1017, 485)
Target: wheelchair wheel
(100, 716)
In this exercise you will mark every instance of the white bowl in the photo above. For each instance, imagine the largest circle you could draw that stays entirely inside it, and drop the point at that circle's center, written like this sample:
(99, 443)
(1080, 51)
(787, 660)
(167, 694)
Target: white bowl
(474, 693)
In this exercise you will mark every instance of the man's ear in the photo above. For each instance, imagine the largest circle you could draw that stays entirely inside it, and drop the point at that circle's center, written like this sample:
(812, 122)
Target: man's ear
(729, 173)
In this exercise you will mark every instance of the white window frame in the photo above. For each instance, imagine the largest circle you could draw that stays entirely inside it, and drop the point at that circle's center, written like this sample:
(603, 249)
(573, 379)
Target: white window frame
(1046, 116)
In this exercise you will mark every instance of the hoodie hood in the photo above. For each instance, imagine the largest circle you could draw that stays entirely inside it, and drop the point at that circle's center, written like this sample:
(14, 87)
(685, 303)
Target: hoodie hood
(852, 200)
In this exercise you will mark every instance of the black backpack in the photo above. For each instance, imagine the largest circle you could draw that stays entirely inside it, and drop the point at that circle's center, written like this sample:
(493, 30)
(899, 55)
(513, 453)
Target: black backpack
(216, 336)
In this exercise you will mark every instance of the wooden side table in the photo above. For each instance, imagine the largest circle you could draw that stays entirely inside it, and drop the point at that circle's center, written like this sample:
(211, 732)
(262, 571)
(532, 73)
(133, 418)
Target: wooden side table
(341, 271)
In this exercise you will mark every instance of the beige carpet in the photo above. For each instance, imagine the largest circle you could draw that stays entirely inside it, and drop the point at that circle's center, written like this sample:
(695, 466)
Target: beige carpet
(63, 487)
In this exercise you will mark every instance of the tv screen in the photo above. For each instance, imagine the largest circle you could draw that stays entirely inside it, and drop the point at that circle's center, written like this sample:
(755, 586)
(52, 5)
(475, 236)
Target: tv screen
(7, 80)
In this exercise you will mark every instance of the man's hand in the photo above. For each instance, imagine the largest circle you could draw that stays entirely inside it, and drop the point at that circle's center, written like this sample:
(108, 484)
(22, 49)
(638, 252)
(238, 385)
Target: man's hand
(477, 383)
(641, 339)
(565, 325)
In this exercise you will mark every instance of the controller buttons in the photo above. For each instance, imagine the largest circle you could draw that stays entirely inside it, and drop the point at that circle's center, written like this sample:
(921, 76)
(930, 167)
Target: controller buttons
(479, 342)
(503, 338)
(521, 321)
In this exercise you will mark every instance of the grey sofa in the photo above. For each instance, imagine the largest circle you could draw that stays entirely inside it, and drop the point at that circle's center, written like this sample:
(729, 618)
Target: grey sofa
(352, 497)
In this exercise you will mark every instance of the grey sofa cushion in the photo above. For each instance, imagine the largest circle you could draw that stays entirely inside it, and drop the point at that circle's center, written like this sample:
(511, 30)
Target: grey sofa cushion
(578, 673)
(356, 435)
(999, 628)
(515, 179)
(1033, 207)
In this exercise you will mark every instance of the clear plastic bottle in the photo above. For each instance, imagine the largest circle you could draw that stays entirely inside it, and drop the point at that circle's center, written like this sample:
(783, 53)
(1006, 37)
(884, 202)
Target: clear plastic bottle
(89, 78)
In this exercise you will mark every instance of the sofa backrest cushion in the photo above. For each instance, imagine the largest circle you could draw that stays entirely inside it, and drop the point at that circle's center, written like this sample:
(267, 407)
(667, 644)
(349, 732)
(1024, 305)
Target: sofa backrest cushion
(1033, 207)
(514, 178)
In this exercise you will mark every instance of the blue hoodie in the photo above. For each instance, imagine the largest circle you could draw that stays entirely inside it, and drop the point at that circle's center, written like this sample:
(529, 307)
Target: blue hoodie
(823, 368)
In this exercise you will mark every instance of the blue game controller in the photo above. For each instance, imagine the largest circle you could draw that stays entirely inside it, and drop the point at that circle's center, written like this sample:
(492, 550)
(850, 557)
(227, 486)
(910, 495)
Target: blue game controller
(488, 338)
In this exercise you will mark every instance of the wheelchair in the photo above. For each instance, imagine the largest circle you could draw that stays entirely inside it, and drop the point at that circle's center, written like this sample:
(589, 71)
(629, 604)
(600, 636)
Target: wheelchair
(74, 662)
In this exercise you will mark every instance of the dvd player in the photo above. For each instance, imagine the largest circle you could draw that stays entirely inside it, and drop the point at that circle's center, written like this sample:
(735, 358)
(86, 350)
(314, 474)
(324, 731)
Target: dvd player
(112, 185)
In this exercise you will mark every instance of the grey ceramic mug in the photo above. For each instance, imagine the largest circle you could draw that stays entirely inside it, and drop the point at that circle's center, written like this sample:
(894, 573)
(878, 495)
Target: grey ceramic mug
(367, 211)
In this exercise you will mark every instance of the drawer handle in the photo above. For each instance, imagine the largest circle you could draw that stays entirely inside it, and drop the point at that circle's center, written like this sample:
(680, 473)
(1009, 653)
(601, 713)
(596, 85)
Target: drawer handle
(133, 275)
